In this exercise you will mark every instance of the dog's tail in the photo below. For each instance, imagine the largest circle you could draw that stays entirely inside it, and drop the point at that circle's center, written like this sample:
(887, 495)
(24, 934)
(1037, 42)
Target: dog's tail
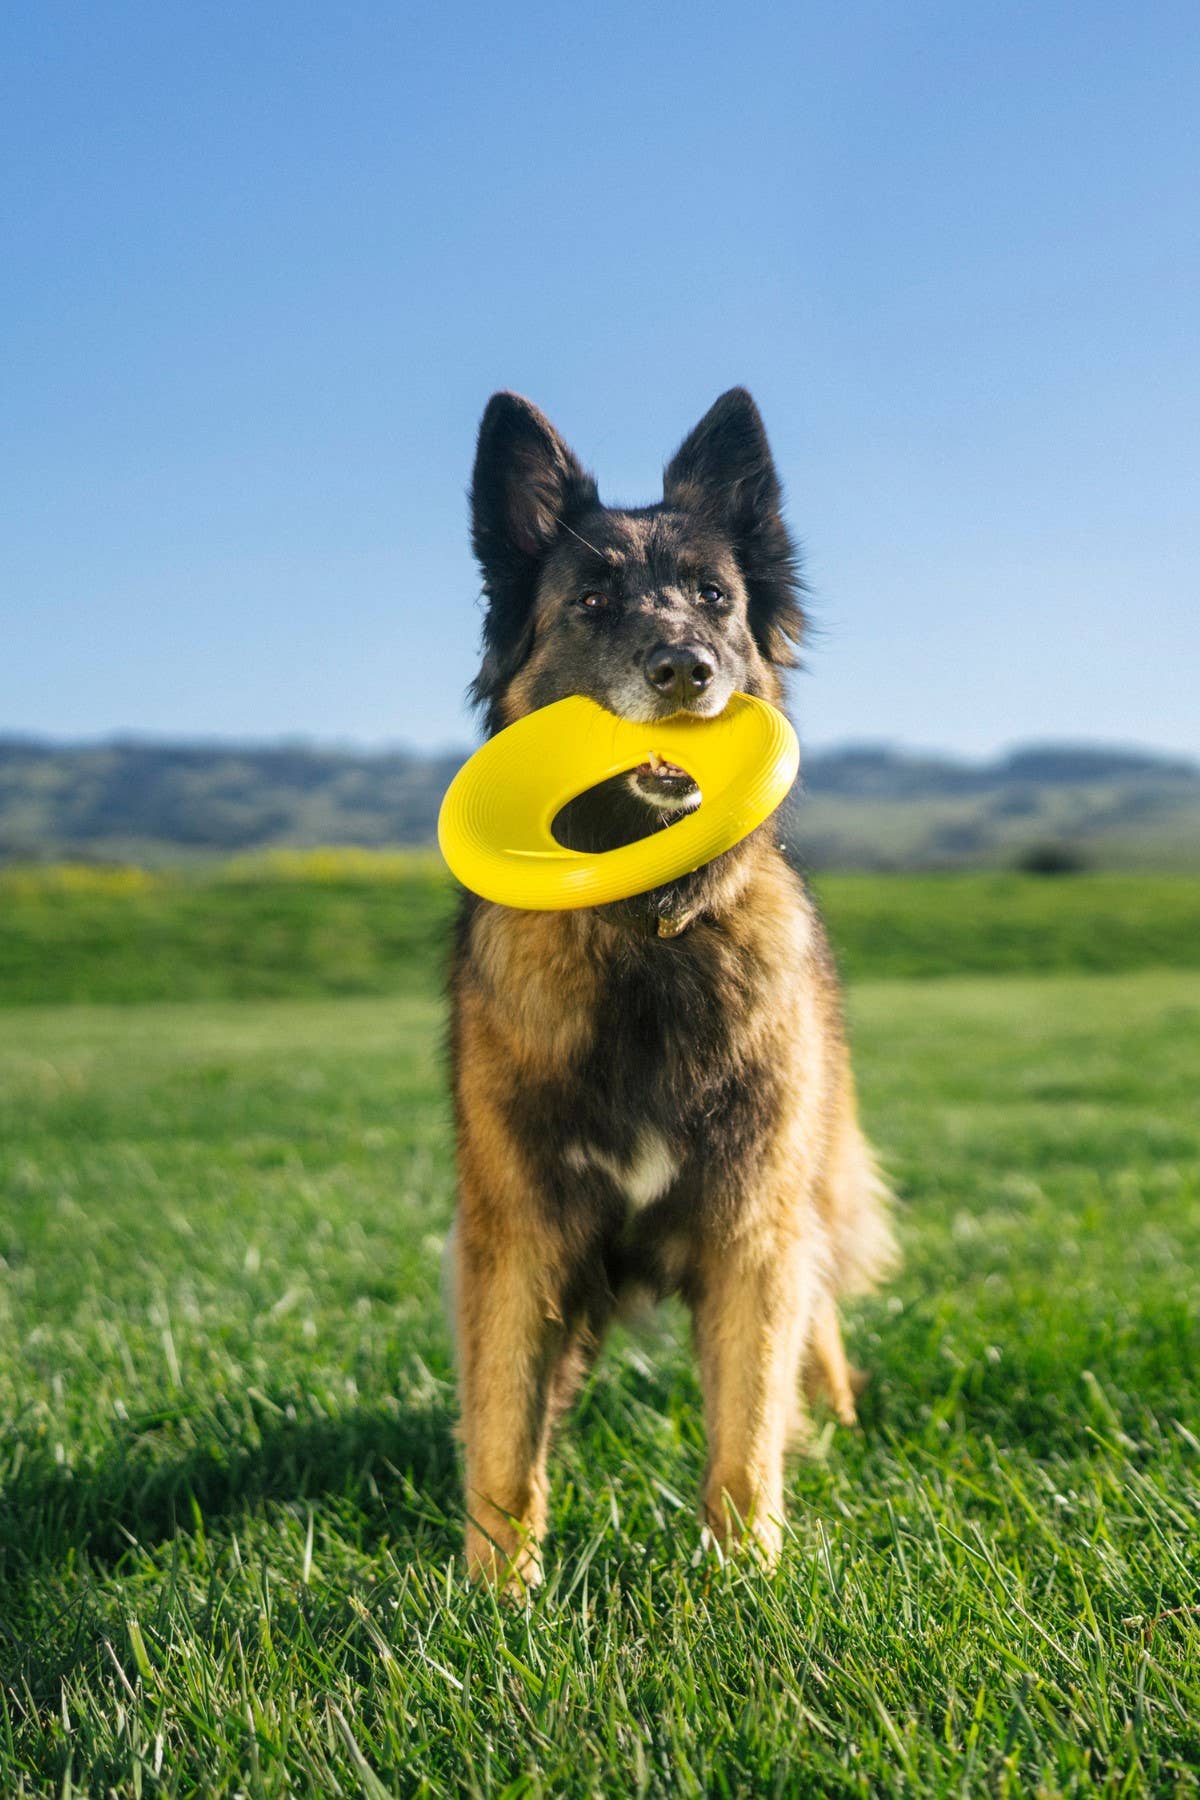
(858, 1205)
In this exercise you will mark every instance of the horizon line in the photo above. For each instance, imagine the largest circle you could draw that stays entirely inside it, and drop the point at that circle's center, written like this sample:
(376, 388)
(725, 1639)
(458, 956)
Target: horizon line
(121, 737)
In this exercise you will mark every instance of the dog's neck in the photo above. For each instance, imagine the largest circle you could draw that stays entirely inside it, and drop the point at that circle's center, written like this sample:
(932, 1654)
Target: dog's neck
(713, 892)
(610, 815)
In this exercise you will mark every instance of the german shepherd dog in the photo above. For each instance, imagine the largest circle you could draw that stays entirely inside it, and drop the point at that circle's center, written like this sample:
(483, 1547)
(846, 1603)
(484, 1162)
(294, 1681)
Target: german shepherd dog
(653, 1094)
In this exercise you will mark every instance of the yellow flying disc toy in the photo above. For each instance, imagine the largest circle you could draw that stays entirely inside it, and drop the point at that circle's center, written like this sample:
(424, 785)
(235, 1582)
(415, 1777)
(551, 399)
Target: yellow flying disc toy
(494, 827)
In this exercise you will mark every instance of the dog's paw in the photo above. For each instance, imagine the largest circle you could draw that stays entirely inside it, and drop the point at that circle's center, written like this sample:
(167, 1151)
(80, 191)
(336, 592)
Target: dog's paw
(724, 1533)
(514, 1573)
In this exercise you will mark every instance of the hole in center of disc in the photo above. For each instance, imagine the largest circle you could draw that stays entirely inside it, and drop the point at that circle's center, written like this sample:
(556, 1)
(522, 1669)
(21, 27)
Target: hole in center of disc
(627, 807)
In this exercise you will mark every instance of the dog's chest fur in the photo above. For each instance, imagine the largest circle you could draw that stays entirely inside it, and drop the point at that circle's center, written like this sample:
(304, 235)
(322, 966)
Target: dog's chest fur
(640, 1075)
(643, 1101)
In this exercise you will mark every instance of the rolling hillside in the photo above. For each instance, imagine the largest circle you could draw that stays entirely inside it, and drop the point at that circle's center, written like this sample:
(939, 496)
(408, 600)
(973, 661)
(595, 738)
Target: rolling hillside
(860, 808)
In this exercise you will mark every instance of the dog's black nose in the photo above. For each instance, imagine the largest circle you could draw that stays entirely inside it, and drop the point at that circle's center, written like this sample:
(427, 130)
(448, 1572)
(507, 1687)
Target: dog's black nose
(679, 671)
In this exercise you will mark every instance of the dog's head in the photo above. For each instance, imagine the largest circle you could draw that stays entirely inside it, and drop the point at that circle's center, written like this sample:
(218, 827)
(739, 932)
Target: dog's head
(649, 611)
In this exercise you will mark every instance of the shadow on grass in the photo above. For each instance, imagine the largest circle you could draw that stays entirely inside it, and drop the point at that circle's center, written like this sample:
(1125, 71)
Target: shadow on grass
(385, 1475)
(390, 1468)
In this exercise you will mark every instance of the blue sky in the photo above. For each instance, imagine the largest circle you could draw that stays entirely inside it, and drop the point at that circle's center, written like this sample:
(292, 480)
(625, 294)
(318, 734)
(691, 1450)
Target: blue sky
(264, 264)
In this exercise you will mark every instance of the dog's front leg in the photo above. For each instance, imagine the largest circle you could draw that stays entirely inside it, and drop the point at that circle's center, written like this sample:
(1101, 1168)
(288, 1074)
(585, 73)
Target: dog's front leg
(752, 1316)
(510, 1342)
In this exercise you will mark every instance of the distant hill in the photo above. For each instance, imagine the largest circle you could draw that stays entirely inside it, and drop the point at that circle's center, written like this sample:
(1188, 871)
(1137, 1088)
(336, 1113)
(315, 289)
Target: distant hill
(135, 799)
(859, 807)
(1044, 805)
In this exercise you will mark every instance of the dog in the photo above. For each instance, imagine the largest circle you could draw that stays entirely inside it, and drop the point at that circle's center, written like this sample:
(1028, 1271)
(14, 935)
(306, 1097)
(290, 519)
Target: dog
(654, 1094)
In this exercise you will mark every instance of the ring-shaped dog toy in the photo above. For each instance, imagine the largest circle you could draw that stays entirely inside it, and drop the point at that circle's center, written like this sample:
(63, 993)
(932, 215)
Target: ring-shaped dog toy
(494, 827)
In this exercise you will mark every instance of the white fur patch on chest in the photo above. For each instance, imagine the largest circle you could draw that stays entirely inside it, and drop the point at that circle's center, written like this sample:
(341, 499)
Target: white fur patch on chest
(643, 1179)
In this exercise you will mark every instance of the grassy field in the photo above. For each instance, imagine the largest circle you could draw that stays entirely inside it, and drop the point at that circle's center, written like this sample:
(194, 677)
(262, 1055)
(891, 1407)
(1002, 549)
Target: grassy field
(228, 1484)
(358, 922)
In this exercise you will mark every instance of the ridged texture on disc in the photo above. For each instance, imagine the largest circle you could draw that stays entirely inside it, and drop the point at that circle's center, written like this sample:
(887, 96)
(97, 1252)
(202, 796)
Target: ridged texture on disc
(494, 825)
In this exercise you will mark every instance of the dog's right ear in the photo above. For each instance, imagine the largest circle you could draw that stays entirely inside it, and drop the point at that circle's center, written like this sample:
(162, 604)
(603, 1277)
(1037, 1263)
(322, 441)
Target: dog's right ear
(527, 484)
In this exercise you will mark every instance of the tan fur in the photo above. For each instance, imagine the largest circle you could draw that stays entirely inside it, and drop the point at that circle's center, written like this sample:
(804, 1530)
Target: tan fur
(762, 1271)
(752, 1321)
(510, 1337)
(537, 986)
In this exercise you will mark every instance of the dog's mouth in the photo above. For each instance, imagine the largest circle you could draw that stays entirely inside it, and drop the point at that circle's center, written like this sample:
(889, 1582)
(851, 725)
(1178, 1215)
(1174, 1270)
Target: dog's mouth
(664, 784)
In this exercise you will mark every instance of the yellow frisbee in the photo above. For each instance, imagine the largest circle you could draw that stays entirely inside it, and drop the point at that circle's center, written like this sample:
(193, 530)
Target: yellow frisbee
(494, 825)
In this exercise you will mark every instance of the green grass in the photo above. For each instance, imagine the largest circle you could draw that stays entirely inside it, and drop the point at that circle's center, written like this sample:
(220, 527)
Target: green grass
(260, 930)
(229, 1510)
(932, 925)
(350, 922)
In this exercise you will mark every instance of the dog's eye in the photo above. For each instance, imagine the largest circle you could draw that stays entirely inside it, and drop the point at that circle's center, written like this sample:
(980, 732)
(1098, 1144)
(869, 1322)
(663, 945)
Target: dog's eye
(711, 593)
(594, 602)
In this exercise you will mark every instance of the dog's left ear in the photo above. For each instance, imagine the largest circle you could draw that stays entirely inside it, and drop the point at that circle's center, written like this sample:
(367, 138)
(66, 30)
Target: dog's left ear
(724, 471)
